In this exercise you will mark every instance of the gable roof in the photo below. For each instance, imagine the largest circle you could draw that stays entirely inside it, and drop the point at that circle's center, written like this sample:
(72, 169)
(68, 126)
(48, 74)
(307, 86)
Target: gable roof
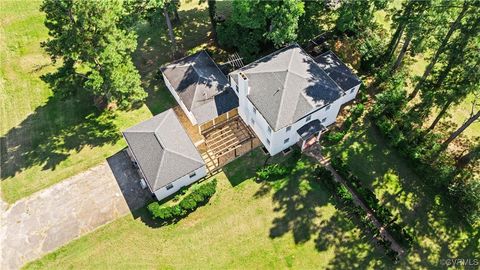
(288, 84)
(163, 150)
(337, 70)
(201, 86)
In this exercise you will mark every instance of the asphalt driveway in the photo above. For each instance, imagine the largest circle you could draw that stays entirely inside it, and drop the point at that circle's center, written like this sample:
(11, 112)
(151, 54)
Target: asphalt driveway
(51, 218)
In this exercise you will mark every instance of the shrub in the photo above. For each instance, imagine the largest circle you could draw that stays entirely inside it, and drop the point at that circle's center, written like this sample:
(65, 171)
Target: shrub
(188, 204)
(272, 172)
(334, 136)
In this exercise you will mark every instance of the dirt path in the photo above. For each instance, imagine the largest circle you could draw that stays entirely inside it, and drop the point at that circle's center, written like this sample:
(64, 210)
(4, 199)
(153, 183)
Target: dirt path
(51, 218)
(315, 153)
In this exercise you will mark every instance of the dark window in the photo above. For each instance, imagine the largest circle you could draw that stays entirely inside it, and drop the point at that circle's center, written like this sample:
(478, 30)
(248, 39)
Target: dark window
(269, 129)
(324, 119)
(252, 121)
(308, 118)
(169, 186)
(327, 108)
(286, 140)
(289, 128)
(268, 141)
(192, 174)
(254, 110)
(351, 91)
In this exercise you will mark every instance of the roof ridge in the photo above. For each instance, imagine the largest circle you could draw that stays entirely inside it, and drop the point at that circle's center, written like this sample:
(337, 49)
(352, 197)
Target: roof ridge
(284, 83)
(159, 125)
(270, 54)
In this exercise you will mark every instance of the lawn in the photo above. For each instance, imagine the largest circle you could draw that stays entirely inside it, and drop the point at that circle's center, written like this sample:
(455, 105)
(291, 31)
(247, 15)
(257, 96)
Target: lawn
(44, 139)
(440, 231)
(289, 223)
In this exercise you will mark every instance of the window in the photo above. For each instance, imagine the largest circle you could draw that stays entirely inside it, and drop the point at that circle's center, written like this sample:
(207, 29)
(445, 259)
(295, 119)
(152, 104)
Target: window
(254, 110)
(351, 91)
(269, 129)
(286, 140)
(252, 121)
(169, 186)
(327, 108)
(308, 118)
(289, 128)
(268, 141)
(192, 175)
(324, 119)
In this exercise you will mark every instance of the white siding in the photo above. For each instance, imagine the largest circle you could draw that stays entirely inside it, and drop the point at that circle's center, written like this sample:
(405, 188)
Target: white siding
(179, 101)
(277, 138)
(183, 181)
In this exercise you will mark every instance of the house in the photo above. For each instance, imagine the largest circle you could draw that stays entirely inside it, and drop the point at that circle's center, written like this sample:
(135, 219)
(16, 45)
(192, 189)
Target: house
(165, 156)
(284, 98)
(288, 97)
(201, 89)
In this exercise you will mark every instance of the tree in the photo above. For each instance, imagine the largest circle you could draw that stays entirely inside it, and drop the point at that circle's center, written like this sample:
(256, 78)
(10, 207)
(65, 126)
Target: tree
(470, 157)
(95, 43)
(310, 23)
(212, 13)
(255, 24)
(473, 117)
(355, 16)
(453, 27)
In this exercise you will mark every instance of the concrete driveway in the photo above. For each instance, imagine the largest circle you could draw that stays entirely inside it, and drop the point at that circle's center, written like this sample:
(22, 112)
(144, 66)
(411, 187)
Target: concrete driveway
(51, 218)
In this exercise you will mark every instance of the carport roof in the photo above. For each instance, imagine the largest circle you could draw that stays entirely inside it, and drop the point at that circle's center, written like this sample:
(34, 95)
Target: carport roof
(162, 149)
(201, 86)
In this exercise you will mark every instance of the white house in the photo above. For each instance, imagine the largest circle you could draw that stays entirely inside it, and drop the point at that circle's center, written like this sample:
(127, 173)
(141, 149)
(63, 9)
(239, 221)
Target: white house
(166, 158)
(287, 96)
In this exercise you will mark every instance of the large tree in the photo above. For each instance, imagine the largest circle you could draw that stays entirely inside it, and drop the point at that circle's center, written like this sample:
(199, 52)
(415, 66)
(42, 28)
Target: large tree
(468, 7)
(355, 16)
(95, 43)
(254, 24)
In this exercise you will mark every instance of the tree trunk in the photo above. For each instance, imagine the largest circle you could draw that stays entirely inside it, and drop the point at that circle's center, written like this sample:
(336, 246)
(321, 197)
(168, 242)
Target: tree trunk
(402, 51)
(394, 42)
(457, 132)
(175, 12)
(170, 30)
(212, 9)
(472, 156)
(440, 50)
(440, 115)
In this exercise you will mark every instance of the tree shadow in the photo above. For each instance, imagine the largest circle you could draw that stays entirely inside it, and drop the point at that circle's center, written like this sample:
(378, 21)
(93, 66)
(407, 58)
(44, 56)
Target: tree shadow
(50, 134)
(154, 50)
(419, 205)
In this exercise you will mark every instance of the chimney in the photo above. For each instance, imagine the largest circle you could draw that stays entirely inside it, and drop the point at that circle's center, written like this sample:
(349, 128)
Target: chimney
(243, 83)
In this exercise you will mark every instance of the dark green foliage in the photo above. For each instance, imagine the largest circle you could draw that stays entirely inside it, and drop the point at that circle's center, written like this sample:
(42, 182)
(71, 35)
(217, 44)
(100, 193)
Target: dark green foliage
(95, 43)
(257, 24)
(334, 136)
(272, 172)
(356, 16)
(197, 197)
(404, 237)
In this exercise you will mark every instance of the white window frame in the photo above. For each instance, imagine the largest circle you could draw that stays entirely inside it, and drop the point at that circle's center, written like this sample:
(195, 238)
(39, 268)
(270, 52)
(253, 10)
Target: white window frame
(169, 186)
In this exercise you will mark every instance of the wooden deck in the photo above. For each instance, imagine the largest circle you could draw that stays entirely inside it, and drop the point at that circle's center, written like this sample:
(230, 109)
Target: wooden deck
(227, 142)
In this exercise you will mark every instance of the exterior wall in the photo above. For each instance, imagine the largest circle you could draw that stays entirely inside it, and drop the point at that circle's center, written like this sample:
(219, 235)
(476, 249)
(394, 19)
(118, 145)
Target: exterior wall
(185, 180)
(276, 139)
(179, 101)
(350, 94)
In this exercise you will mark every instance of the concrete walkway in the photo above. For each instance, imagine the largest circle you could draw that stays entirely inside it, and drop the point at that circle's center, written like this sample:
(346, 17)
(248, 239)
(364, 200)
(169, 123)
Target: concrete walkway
(315, 152)
(51, 218)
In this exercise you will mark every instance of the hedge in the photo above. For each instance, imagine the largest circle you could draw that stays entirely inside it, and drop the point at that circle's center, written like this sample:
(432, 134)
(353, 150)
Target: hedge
(384, 215)
(272, 172)
(197, 197)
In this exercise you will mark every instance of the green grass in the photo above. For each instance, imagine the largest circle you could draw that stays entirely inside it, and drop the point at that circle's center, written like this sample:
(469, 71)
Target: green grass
(246, 225)
(420, 206)
(45, 139)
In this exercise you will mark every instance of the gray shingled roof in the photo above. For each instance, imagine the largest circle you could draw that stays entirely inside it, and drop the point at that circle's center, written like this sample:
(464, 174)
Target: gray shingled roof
(337, 70)
(288, 84)
(163, 150)
(201, 86)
